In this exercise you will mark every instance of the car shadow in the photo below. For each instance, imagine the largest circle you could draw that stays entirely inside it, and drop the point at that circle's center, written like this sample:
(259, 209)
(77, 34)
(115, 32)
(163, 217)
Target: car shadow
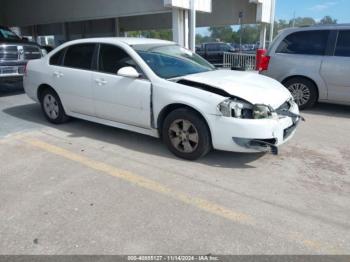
(333, 110)
(126, 139)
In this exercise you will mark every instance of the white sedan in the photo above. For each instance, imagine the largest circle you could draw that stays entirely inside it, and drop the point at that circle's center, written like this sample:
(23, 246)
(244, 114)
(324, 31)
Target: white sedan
(160, 89)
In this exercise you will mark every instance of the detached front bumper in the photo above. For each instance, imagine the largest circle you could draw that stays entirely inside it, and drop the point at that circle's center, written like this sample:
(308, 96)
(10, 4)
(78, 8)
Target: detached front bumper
(252, 135)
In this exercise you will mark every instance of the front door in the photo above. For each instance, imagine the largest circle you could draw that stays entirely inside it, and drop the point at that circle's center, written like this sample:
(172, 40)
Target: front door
(117, 98)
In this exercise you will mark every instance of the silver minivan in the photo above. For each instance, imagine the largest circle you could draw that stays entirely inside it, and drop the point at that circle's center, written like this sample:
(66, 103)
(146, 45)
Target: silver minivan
(313, 63)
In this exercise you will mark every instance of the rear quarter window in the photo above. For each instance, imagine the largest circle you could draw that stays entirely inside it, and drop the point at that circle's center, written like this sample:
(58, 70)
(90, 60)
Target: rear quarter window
(305, 43)
(57, 58)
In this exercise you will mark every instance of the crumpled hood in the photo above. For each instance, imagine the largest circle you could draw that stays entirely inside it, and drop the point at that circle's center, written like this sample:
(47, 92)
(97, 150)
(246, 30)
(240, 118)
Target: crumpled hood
(250, 86)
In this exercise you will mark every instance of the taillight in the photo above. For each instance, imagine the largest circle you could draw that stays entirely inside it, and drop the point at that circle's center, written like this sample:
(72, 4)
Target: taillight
(264, 64)
(262, 60)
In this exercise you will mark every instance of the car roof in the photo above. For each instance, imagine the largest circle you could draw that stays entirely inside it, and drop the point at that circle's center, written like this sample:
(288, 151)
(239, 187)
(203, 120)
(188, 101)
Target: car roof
(317, 27)
(126, 40)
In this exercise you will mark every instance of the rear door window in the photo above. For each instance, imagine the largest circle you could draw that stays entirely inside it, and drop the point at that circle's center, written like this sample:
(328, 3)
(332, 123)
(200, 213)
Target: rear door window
(343, 44)
(80, 56)
(305, 43)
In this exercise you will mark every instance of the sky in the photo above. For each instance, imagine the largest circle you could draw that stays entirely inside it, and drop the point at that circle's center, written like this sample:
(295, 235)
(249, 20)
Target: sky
(317, 9)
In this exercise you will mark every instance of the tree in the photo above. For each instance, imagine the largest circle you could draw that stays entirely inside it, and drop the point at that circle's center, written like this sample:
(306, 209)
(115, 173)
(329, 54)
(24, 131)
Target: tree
(250, 34)
(223, 33)
(203, 39)
(327, 20)
(302, 21)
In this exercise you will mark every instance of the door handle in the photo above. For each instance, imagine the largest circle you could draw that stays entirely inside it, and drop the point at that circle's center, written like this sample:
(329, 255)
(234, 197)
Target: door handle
(58, 74)
(100, 81)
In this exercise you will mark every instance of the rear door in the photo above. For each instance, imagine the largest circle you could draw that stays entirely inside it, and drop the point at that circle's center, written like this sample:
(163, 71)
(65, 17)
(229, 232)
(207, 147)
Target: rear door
(72, 78)
(336, 69)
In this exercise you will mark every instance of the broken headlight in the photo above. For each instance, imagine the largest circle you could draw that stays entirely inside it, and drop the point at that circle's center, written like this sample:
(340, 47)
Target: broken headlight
(235, 108)
(263, 112)
(240, 109)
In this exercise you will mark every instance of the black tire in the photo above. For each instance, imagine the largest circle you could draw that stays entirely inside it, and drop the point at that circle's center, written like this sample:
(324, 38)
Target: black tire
(307, 95)
(60, 116)
(198, 129)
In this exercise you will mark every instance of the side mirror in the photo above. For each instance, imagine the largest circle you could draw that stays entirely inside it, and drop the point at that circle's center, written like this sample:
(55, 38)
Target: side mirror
(128, 71)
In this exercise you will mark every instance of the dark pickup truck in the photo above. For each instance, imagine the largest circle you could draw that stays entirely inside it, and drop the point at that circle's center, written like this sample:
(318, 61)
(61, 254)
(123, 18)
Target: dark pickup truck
(214, 52)
(14, 54)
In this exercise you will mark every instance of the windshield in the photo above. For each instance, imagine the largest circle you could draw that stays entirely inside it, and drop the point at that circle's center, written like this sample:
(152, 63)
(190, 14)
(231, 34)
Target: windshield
(170, 61)
(8, 34)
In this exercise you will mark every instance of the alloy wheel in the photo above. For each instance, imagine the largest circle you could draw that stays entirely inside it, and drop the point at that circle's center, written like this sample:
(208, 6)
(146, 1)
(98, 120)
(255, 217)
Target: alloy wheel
(51, 106)
(184, 136)
(301, 93)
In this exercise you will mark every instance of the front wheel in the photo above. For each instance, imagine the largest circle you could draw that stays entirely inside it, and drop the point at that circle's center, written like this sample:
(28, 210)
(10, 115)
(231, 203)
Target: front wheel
(186, 134)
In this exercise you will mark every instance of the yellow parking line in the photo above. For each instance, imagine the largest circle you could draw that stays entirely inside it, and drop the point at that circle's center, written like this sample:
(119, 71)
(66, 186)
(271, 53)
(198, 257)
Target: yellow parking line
(145, 183)
(151, 185)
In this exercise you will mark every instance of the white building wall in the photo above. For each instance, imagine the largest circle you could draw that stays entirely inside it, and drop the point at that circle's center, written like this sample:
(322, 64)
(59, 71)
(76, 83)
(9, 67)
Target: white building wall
(200, 5)
(226, 12)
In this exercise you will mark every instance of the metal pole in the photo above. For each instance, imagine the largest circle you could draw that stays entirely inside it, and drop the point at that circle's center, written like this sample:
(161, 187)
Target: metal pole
(293, 19)
(193, 26)
(116, 27)
(272, 25)
(263, 36)
(241, 30)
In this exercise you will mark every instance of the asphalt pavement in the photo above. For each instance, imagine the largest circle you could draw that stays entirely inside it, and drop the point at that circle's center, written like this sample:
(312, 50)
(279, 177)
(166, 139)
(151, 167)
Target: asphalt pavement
(84, 188)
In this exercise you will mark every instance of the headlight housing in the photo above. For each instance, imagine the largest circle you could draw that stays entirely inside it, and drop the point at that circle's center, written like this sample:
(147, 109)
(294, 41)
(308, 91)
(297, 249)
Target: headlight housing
(243, 110)
(263, 112)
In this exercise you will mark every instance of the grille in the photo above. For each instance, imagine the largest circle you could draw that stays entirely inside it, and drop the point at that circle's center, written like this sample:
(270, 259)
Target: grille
(8, 53)
(31, 52)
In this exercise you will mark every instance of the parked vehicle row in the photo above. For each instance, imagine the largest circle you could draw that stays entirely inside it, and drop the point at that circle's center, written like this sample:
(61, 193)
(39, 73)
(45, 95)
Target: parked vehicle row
(313, 63)
(159, 89)
(214, 52)
(14, 54)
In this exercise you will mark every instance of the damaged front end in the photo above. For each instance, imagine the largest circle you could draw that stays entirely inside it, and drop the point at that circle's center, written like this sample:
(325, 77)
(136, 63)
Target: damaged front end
(263, 145)
(243, 110)
(256, 127)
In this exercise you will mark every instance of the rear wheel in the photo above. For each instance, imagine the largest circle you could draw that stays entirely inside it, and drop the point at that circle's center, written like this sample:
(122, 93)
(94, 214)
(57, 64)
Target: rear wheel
(303, 90)
(186, 134)
(52, 107)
